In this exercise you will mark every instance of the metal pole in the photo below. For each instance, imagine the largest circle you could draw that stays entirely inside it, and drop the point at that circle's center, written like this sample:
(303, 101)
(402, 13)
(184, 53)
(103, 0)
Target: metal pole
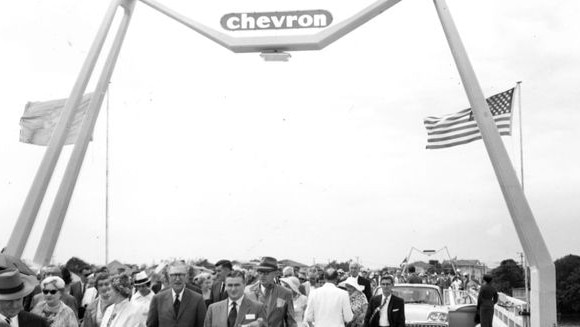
(519, 86)
(543, 297)
(59, 208)
(29, 211)
(107, 182)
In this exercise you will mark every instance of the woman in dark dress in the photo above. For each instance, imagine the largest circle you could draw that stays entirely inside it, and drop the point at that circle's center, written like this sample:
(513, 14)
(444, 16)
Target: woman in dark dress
(486, 301)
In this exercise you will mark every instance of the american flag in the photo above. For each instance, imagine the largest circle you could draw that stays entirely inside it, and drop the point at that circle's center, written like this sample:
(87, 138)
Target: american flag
(461, 128)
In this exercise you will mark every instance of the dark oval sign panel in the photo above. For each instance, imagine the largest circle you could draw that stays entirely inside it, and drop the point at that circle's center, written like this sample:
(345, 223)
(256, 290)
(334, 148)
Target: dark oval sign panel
(276, 20)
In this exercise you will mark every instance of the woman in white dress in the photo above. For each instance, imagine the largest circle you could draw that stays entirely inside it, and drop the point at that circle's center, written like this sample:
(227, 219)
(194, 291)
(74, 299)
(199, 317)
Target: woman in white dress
(121, 313)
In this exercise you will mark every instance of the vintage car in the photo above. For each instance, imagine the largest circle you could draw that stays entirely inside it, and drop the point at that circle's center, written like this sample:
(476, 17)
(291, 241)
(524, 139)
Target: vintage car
(424, 305)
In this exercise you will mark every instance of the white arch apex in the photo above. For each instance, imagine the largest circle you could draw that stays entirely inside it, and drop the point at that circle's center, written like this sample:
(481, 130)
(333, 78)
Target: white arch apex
(316, 41)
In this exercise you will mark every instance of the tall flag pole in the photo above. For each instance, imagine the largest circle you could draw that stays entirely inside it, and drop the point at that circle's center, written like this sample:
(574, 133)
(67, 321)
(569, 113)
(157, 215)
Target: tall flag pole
(107, 181)
(519, 87)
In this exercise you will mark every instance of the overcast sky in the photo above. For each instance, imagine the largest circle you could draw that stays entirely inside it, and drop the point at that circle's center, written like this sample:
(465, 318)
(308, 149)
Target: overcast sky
(221, 155)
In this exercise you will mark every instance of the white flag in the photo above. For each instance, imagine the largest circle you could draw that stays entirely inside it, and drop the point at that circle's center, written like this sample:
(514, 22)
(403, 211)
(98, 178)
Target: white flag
(40, 118)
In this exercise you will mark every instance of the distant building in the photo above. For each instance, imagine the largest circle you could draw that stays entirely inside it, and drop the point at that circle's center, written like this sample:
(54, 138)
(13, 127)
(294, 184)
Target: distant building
(473, 268)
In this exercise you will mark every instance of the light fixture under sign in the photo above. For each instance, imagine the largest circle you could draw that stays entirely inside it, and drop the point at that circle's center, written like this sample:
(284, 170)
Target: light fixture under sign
(275, 56)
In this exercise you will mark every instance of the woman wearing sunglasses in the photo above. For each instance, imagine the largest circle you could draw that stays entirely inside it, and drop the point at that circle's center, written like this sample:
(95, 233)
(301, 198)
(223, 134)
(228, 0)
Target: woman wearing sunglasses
(52, 308)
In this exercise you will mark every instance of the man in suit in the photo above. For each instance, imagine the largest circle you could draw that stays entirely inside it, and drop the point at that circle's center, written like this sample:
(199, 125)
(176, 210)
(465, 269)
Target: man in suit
(14, 286)
(237, 309)
(385, 309)
(176, 306)
(354, 270)
(329, 305)
(277, 299)
(218, 289)
(78, 288)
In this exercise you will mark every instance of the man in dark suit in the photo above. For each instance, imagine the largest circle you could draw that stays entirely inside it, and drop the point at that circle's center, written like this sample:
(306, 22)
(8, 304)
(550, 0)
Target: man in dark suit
(176, 306)
(78, 288)
(218, 289)
(14, 286)
(276, 298)
(237, 309)
(385, 309)
(354, 270)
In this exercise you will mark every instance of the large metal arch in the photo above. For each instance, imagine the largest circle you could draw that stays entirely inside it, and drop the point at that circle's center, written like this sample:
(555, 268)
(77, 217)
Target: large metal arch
(543, 290)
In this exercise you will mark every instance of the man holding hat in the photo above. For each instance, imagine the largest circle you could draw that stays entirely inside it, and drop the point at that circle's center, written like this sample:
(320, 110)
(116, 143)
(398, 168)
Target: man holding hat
(278, 299)
(142, 298)
(14, 286)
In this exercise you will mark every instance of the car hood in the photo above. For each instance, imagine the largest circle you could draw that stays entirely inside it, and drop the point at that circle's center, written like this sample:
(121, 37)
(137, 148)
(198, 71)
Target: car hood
(415, 312)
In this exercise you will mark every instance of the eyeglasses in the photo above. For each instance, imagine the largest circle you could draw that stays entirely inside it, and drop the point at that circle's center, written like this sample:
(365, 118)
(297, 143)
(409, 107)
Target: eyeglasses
(177, 275)
(53, 292)
(386, 284)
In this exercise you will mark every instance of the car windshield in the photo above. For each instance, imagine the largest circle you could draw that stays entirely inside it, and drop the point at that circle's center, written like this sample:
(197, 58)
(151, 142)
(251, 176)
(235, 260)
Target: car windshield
(418, 295)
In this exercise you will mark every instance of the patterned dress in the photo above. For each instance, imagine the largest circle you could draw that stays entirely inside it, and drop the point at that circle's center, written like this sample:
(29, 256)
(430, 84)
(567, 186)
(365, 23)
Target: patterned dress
(58, 316)
(358, 304)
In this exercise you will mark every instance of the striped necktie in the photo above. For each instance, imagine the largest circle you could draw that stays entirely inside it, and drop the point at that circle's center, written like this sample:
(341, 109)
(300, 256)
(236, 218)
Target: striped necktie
(8, 321)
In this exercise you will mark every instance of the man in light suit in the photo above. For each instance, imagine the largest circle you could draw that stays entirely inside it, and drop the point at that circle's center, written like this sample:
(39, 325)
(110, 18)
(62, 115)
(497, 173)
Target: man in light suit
(277, 299)
(176, 306)
(218, 289)
(386, 309)
(237, 309)
(328, 306)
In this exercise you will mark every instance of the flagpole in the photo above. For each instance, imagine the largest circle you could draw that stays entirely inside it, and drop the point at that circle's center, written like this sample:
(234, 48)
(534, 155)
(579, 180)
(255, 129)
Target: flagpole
(107, 182)
(519, 86)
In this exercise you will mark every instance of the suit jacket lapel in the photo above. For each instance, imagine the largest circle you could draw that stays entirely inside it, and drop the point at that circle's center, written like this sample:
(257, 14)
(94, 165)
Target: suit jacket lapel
(390, 310)
(242, 311)
(222, 314)
(184, 303)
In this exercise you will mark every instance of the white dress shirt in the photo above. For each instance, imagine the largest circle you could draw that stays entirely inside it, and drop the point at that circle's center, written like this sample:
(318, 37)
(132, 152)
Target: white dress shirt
(238, 304)
(13, 320)
(384, 313)
(329, 306)
(180, 294)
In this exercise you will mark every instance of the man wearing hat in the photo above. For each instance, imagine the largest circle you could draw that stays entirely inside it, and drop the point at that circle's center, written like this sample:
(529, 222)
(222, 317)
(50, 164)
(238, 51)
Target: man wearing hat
(278, 299)
(14, 286)
(142, 298)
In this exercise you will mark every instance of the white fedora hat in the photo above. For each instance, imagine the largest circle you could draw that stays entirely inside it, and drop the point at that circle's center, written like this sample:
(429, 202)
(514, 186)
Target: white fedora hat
(141, 278)
(14, 285)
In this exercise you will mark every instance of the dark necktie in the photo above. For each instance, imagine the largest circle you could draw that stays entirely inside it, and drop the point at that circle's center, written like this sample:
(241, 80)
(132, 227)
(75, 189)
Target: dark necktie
(8, 320)
(233, 315)
(222, 289)
(176, 304)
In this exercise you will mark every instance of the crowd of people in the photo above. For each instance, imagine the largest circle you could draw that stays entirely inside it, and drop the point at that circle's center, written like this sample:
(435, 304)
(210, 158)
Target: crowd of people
(178, 295)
